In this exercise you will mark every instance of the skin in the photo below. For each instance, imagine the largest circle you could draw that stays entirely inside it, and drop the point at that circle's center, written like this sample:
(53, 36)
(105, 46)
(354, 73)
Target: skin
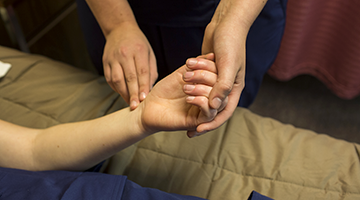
(225, 36)
(81, 145)
(129, 61)
(130, 64)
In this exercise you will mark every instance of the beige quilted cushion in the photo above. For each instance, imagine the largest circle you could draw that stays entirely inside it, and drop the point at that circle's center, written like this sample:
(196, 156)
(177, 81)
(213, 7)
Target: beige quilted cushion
(40, 92)
(247, 153)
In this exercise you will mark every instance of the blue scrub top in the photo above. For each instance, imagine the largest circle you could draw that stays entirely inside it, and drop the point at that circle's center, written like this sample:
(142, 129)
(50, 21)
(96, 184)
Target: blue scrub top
(174, 13)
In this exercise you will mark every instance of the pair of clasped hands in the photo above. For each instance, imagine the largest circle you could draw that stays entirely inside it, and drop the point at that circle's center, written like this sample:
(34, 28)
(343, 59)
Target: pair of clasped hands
(180, 100)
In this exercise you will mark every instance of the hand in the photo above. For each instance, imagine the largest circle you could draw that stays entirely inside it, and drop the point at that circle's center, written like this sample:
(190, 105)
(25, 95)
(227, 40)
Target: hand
(168, 106)
(225, 36)
(129, 63)
(230, 62)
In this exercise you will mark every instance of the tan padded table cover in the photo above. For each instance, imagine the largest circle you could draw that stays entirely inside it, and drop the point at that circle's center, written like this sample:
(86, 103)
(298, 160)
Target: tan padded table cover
(247, 153)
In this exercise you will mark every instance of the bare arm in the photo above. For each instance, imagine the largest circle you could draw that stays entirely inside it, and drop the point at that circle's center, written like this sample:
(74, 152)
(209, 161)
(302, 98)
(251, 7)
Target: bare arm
(73, 146)
(111, 13)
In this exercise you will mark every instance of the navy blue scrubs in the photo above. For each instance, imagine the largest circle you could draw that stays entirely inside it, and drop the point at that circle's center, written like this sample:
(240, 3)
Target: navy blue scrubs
(55, 185)
(175, 30)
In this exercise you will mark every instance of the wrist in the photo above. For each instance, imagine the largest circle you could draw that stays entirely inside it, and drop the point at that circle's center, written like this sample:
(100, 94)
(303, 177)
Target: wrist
(119, 28)
(140, 124)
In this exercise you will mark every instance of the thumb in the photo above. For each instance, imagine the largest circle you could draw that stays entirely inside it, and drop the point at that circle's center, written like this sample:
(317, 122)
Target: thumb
(221, 90)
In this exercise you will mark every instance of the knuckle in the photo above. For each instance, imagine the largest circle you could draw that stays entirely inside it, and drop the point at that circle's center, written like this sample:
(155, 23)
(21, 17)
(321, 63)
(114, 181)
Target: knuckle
(226, 86)
(203, 100)
(123, 51)
(140, 47)
(105, 59)
(131, 77)
(143, 71)
(108, 80)
(116, 80)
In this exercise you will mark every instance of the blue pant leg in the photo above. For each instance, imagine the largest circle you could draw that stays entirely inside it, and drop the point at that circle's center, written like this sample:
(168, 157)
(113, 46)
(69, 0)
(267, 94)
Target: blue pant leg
(262, 46)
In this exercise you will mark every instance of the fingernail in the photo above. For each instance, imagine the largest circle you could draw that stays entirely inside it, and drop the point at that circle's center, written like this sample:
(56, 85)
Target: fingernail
(142, 95)
(213, 111)
(191, 62)
(190, 135)
(198, 134)
(216, 102)
(133, 104)
(190, 98)
(189, 88)
(188, 75)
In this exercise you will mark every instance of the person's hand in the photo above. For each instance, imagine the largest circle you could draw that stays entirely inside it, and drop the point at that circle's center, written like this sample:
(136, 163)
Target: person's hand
(225, 36)
(174, 104)
(129, 63)
(229, 49)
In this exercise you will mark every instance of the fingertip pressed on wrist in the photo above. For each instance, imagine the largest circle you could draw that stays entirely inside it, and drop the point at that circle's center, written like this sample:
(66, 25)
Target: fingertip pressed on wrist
(142, 96)
(133, 105)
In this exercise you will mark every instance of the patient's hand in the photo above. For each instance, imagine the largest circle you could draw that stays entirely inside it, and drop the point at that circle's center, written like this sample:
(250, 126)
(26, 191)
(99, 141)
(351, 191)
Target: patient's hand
(167, 107)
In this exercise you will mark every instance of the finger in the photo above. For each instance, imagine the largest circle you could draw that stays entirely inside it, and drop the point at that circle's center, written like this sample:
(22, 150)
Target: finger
(197, 90)
(192, 134)
(207, 114)
(118, 81)
(200, 77)
(200, 63)
(225, 114)
(230, 72)
(153, 69)
(209, 56)
(223, 104)
(143, 75)
(131, 80)
(107, 74)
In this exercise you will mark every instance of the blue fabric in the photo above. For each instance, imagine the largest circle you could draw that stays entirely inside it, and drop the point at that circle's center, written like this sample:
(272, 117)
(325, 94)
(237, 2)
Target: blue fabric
(173, 43)
(256, 196)
(20, 184)
(174, 13)
(262, 46)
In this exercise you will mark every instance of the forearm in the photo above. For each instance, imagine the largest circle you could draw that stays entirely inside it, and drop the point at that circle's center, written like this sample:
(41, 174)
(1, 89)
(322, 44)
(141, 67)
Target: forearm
(78, 146)
(240, 13)
(111, 13)
(72, 146)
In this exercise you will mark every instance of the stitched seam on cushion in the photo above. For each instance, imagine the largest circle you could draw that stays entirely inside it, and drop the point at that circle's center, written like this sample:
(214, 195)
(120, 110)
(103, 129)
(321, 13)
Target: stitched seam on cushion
(22, 105)
(250, 175)
(20, 75)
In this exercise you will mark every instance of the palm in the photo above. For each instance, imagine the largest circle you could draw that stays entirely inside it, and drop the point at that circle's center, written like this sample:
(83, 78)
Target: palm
(167, 108)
